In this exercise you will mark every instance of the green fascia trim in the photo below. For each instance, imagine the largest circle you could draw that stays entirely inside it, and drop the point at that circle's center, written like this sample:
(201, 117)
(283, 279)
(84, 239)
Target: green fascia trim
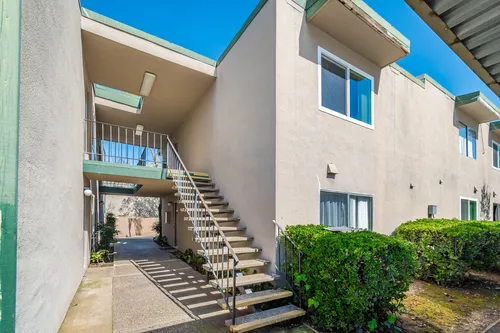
(119, 190)
(117, 96)
(474, 97)
(425, 77)
(141, 34)
(114, 169)
(408, 74)
(495, 125)
(240, 32)
(10, 44)
(313, 6)
(422, 79)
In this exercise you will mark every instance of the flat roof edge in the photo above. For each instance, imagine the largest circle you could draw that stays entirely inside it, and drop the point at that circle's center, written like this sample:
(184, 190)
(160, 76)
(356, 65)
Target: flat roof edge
(143, 35)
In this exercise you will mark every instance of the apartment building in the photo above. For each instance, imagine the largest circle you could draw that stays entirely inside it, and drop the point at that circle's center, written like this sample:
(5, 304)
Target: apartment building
(305, 118)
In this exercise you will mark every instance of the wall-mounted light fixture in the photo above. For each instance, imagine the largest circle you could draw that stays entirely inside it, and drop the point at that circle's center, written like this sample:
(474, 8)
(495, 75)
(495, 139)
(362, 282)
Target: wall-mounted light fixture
(147, 84)
(475, 189)
(87, 191)
(440, 182)
(411, 186)
(138, 130)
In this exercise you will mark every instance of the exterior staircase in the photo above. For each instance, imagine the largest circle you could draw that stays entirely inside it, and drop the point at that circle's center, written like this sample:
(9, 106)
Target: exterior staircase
(211, 219)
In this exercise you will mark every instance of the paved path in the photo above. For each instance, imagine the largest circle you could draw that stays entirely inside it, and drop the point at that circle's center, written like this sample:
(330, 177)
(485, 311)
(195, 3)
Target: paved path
(90, 310)
(152, 291)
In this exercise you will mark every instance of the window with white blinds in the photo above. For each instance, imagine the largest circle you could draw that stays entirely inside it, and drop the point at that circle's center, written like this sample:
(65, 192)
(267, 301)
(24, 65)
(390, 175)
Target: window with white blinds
(346, 210)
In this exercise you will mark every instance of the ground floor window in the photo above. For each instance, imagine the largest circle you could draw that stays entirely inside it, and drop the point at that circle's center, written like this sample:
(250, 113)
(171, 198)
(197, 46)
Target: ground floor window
(346, 210)
(468, 209)
(496, 212)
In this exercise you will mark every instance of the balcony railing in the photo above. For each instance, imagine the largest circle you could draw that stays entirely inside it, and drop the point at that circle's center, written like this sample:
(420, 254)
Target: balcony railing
(124, 145)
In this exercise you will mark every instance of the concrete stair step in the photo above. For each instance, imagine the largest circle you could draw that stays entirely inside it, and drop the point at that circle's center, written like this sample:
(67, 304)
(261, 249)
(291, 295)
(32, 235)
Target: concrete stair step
(243, 264)
(218, 219)
(264, 318)
(230, 239)
(197, 183)
(201, 189)
(225, 251)
(208, 202)
(256, 298)
(204, 195)
(221, 228)
(245, 280)
(213, 210)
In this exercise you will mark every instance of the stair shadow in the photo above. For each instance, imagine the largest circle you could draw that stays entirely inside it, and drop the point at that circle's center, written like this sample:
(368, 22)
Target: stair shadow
(188, 287)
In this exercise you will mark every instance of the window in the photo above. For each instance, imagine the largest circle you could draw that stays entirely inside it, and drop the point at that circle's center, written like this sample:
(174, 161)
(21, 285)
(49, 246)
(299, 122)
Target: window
(346, 210)
(496, 156)
(467, 141)
(496, 212)
(345, 91)
(468, 209)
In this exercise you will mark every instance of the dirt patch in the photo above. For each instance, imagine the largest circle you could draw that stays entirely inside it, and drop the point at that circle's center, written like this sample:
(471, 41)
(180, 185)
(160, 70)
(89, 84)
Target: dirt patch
(470, 308)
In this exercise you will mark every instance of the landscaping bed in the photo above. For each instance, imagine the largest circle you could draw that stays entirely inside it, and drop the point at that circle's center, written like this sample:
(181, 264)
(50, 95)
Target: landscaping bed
(472, 307)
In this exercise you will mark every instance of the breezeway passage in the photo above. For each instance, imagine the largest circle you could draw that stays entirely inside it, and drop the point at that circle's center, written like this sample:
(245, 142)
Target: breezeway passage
(152, 291)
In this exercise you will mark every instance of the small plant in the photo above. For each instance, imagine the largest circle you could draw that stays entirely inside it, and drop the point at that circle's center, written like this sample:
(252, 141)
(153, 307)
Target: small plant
(107, 232)
(194, 260)
(98, 256)
(156, 227)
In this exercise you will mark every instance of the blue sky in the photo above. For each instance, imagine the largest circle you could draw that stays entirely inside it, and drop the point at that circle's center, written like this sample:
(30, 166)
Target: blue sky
(207, 27)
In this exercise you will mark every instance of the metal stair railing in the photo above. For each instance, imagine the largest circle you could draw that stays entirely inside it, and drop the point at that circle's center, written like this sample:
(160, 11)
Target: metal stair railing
(206, 229)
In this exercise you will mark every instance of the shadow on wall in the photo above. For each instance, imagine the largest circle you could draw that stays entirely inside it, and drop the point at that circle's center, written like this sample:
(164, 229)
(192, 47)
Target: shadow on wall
(135, 226)
(311, 37)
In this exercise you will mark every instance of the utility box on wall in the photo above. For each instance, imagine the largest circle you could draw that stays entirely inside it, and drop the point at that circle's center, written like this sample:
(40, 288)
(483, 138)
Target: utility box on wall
(432, 211)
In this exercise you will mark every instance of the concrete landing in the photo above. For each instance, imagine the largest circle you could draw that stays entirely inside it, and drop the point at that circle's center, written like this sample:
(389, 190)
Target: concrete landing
(90, 310)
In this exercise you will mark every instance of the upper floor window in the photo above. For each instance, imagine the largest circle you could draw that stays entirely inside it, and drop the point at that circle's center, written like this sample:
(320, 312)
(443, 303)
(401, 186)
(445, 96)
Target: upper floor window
(345, 91)
(346, 210)
(467, 141)
(496, 154)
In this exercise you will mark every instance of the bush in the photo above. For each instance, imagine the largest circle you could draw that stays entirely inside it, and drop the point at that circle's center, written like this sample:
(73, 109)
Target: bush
(156, 227)
(352, 280)
(447, 249)
(107, 231)
(194, 260)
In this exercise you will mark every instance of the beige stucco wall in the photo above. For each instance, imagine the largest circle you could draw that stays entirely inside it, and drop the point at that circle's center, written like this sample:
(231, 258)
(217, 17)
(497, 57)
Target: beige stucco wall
(135, 226)
(231, 132)
(415, 139)
(51, 248)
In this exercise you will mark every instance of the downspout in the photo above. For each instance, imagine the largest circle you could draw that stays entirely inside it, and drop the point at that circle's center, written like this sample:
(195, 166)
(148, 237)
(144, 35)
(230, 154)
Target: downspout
(10, 44)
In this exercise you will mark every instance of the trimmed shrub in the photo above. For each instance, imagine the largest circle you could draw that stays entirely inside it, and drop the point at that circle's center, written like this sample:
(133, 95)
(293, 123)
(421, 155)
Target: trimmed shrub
(352, 280)
(447, 249)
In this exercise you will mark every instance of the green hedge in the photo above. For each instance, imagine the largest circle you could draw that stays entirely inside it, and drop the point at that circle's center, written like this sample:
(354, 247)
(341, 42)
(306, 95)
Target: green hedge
(352, 280)
(447, 249)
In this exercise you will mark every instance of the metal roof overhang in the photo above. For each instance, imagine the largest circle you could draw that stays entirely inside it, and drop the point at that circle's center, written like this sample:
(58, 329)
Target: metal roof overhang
(471, 28)
(360, 28)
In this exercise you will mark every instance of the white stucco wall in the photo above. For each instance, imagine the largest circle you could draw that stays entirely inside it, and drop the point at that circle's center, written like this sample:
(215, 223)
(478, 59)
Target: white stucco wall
(415, 139)
(50, 228)
(231, 133)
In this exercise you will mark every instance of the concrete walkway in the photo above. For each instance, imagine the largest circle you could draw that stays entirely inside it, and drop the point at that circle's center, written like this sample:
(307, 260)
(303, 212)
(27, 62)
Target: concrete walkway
(90, 310)
(152, 291)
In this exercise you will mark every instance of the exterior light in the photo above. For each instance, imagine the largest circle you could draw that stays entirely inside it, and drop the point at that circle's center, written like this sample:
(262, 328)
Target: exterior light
(87, 192)
(147, 84)
(138, 130)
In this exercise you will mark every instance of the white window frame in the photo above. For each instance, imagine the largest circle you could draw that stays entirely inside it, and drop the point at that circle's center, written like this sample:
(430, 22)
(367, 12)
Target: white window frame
(467, 152)
(348, 66)
(460, 207)
(493, 142)
(349, 194)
